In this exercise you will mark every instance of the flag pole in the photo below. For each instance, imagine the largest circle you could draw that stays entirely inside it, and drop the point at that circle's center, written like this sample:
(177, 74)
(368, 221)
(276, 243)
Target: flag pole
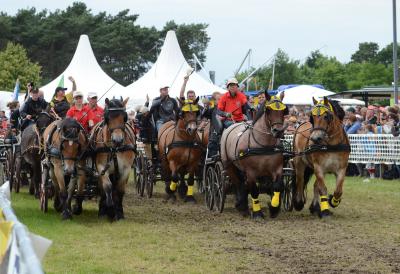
(273, 73)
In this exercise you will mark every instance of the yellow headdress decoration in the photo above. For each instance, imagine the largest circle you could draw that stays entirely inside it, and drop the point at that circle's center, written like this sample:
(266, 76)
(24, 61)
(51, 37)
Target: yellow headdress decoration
(275, 103)
(321, 108)
(190, 105)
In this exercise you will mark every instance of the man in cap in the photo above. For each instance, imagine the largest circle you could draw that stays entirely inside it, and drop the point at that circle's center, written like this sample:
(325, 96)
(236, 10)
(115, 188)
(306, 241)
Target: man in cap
(32, 107)
(163, 108)
(96, 112)
(233, 103)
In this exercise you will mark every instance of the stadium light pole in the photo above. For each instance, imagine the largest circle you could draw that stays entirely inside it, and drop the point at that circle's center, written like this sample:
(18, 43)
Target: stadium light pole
(395, 68)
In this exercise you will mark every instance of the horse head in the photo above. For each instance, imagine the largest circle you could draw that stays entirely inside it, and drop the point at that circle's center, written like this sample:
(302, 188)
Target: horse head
(322, 118)
(70, 144)
(188, 112)
(115, 117)
(43, 120)
(275, 112)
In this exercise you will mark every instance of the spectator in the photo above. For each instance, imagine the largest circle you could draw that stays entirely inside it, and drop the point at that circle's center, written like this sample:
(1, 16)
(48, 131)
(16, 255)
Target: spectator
(96, 112)
(79, 111)
(353, 124)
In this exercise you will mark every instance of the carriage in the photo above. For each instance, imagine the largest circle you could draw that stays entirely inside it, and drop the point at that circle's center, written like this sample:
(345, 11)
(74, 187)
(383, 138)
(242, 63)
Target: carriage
(217, 185)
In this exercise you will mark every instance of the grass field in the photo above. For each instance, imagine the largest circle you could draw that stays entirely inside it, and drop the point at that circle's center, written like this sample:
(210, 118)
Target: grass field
(363, 236)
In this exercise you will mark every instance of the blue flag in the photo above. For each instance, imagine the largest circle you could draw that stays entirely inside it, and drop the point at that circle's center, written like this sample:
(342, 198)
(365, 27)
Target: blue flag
(14, 96)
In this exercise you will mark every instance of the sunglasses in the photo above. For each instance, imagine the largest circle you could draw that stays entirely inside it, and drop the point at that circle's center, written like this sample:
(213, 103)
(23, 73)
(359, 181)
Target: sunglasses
(95, 97)
(78, 97)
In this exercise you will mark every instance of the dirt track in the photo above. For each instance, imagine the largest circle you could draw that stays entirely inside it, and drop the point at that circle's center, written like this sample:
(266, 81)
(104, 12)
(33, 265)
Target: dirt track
(359, 238)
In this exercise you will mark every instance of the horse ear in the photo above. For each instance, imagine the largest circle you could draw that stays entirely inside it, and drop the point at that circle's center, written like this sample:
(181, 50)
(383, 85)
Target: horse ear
(282, 95)
(107, 101)
(315, 102)
(197, 100)
(124, 102)
(267, 96)
(326, 102)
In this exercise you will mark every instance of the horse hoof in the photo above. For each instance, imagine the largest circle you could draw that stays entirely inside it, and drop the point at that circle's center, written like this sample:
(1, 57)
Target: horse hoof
(331, 203)
(274, 211)
(119, 216)
(190, 199)
(257, 215)
(315, 209)
(182, 190)
(77, 210)
(66, 215)
(37, 195)
(111, 214)
(298, 205)
(325, 213)
(243, 211)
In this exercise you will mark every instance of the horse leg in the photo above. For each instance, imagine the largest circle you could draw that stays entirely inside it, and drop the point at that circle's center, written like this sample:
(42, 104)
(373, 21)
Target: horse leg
(170, 188)
(242, 202)
(37, 172)
(322, 191)
(277, 188)
(182, 187)
(71, 189)
(106, 204)
(189, 194)
(119, 192)
(298, 199)
(57, 202)
(256, 212)
(315, 208)
(334, 200)
(58, 171)
(77, 208)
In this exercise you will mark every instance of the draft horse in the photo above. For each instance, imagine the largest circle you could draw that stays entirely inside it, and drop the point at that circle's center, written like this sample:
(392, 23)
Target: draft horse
(114, 145)
(65, 146)
(322, 147)
(179, 149)
(31, 151)
(250, 151)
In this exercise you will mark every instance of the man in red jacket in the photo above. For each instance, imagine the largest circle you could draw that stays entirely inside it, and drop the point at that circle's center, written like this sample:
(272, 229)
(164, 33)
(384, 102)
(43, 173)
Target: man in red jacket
(232, 103)
(96, 112)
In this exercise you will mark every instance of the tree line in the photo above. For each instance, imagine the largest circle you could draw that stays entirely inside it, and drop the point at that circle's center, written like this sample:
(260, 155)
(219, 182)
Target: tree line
(123, 48)
(38, 45)
(369, 66)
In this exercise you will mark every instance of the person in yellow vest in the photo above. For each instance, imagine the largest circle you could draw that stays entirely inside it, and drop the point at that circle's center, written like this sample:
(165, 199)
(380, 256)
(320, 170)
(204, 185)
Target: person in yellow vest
(61, 101)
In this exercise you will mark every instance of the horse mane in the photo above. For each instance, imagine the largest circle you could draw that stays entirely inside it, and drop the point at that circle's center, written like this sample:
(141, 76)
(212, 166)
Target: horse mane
(259, 114)
(337, 109)
(70, 123)
(115, 103)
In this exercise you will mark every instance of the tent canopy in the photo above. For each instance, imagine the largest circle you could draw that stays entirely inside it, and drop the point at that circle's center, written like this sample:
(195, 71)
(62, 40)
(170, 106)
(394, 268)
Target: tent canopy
(169, 70)
(303, 94)
(87, 73)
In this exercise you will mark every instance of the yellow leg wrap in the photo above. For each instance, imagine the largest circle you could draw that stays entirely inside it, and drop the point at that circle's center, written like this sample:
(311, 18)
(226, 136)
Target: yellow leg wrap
(335, 202)
(172, 186)
(324, 203)
(190, 191)
(275, 199)
(256, 205)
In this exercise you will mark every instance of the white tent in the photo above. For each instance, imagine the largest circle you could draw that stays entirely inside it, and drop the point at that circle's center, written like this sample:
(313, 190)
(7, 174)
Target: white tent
(303, 94)
(87, 73)
(349, 101)
(169, 70)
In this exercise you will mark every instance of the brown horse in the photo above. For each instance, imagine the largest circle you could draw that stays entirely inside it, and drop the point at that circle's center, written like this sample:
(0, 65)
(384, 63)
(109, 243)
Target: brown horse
(179, 151)
(114, 144)
(323, 147)
(251, 151)
(31, 152)
(65, 145)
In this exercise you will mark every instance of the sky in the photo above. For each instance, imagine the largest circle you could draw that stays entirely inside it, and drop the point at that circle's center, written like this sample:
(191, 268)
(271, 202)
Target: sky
(336, 27)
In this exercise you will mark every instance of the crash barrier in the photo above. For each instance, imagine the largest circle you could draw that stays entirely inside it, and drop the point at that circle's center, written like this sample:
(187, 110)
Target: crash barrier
(17, 254)
(371, 148)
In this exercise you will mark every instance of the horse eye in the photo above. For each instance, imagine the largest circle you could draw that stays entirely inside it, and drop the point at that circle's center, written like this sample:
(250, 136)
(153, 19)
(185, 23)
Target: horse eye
(326, 117)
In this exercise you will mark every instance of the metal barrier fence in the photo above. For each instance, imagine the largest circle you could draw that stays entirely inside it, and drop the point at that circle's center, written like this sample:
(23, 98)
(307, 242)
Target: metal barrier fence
(27, 254)
(371, 148)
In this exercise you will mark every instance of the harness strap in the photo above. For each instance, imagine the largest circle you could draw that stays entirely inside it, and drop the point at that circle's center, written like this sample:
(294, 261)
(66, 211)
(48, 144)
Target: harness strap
(266, 150)
(327, 148)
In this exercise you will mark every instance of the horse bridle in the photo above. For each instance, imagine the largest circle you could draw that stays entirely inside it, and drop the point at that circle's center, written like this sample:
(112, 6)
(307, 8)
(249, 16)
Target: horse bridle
(122, 127)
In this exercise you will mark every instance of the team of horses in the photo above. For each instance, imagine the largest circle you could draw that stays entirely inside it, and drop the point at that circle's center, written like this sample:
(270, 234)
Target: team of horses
(249, 152)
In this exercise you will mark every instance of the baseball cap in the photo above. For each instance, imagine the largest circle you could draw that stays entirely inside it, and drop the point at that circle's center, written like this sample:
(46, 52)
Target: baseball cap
(78, 93)
(92, 94)
(60, 88)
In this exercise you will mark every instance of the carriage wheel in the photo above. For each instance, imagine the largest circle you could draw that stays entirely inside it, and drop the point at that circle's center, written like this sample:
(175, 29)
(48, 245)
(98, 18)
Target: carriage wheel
(149, 178)
(10, 167)
(2, 174)
(289, 179)
(219, 187)
(208, 179)
(139, 175)
(17, 174)
(43, 193)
